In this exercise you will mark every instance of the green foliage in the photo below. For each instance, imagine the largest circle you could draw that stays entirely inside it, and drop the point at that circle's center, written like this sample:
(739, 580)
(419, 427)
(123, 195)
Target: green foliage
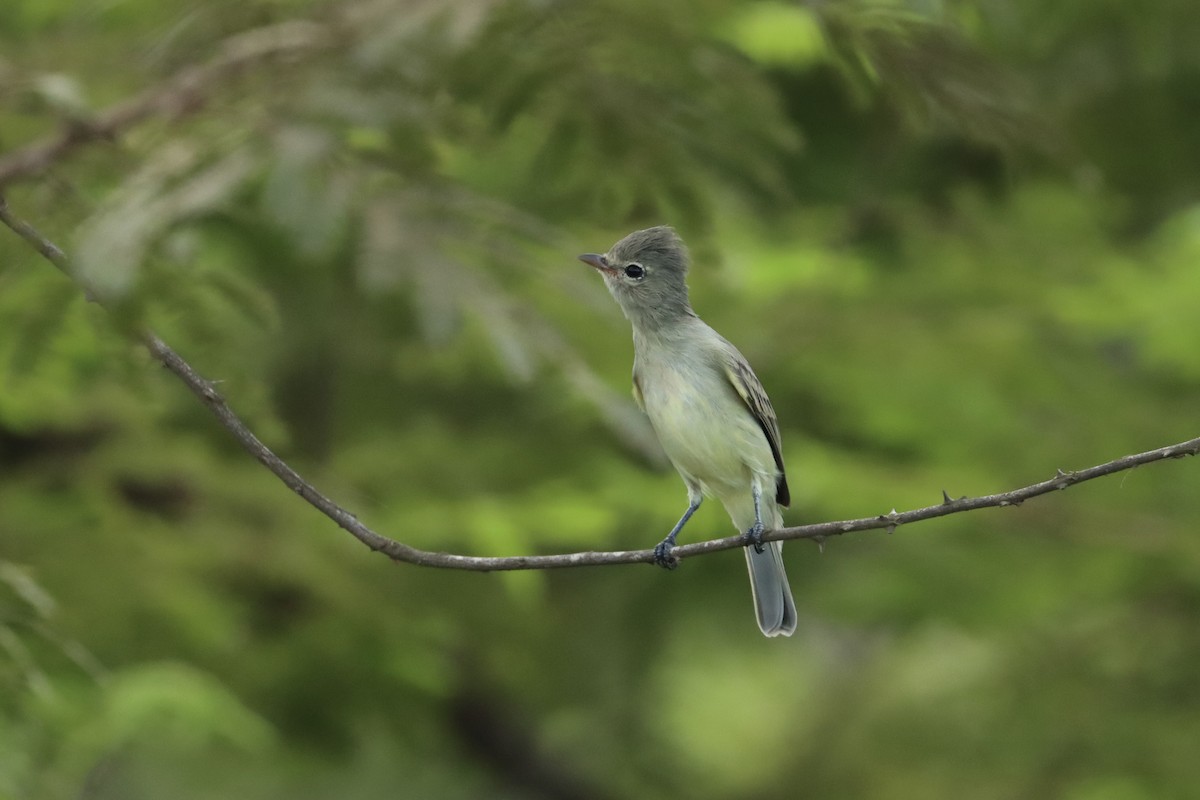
(957, 241)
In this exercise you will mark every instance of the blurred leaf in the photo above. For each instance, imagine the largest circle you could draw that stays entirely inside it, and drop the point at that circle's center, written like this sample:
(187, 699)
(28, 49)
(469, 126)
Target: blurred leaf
(173, 187)
(779, 34)
(21, 583)
(930, 73)
(179, 704)
(62, 95)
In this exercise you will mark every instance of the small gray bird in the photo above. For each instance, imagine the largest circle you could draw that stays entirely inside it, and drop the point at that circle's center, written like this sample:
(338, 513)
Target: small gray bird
(707, 407)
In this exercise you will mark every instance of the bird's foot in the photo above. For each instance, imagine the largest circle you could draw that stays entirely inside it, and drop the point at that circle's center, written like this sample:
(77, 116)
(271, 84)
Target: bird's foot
(662, 554)
(754, 536)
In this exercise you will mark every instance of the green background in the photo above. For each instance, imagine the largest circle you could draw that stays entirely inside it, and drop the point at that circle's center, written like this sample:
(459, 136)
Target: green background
(957, 240)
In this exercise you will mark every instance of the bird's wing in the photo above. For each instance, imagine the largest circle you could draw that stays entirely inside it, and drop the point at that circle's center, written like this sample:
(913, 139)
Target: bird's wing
(637, 389)
(755, 397)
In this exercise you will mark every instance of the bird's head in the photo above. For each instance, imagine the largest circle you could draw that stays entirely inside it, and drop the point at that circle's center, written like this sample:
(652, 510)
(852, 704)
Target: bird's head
(647, 274)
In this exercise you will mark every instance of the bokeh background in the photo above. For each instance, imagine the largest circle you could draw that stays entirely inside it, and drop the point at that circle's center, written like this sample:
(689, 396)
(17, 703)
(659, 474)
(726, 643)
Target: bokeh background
(958, 240)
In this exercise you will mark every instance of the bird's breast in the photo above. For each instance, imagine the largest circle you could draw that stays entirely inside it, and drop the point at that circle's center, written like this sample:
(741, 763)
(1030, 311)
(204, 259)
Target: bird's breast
(704, 427)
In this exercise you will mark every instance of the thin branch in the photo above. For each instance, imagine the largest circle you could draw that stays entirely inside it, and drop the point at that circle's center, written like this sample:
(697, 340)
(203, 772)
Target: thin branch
(183, 92)
(398, 551)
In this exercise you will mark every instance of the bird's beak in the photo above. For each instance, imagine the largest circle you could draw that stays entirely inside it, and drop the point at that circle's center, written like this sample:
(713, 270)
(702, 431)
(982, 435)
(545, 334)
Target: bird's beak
(596, 260)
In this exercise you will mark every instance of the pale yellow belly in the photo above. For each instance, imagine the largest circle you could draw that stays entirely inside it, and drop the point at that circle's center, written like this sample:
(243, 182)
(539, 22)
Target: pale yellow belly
(707, 431)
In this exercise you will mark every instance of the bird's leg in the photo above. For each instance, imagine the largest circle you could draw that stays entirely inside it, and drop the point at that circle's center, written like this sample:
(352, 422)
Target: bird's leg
(662, 551)
(754, 535)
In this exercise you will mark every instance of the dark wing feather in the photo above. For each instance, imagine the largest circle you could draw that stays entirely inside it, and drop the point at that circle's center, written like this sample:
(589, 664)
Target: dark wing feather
(752, 393)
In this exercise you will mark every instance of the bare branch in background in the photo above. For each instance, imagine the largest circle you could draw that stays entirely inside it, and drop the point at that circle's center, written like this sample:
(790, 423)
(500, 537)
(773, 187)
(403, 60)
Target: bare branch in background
(398, 551)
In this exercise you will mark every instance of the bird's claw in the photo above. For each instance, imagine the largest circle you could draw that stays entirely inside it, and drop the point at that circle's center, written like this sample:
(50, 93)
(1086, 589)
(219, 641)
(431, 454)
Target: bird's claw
(662, 554)
(754, 536)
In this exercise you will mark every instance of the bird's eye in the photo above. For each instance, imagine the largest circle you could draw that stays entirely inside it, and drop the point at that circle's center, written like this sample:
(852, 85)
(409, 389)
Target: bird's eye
(635, 271)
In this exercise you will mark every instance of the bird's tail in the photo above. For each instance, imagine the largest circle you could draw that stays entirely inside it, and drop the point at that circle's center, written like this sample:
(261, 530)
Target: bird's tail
(773, 603)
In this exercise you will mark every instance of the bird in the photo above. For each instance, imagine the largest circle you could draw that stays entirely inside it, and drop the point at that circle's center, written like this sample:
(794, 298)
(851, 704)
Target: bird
(707, 407)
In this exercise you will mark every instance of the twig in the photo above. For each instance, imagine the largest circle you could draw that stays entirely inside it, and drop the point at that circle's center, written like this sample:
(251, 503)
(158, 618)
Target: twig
(181, 93)
(398, 551)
